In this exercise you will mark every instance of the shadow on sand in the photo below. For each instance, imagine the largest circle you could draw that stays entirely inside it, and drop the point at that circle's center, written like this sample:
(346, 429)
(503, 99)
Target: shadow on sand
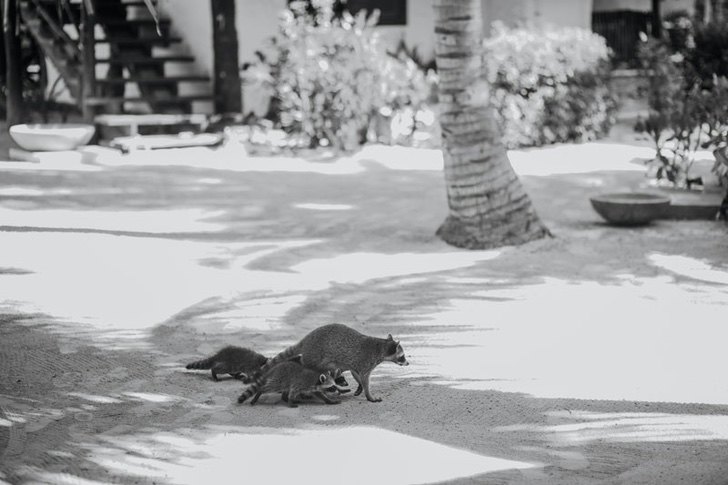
(569, 360)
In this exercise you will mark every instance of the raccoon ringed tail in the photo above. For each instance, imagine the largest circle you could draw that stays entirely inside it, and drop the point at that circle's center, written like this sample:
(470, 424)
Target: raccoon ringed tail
(257, 377)
(201, 364)
(252, 390)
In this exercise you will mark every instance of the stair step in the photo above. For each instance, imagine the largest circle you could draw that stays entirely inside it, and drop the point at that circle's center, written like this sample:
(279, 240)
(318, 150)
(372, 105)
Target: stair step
(102, 4)
(145, 60)
(121, 23)
(149, 119)
(54, 4)
(167, 101)
(112, 125)
(76, 7)
(136, 41)
(154, 80)
(136, 3)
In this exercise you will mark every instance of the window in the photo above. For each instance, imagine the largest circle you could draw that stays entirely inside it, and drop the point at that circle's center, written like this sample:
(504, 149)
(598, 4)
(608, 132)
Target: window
(393, 12)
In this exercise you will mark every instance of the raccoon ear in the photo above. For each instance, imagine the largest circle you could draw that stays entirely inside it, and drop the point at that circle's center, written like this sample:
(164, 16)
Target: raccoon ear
(322, 378)
(392, 347)
(297, 358)
(389, 337)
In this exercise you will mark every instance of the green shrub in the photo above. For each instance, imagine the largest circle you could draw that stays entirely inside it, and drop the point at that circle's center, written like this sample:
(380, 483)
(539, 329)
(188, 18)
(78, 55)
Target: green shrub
(687, 95)
(549, 85)
(708, 53)
(332, 79)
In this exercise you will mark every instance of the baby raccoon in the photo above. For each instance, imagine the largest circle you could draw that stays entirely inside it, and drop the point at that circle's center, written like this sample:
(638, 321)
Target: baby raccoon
(341, 386)
(239, 362)
(337, 346)
(292, 380)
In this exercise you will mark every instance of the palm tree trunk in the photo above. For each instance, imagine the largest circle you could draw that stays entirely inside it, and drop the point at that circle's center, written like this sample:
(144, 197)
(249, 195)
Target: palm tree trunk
(488, 205)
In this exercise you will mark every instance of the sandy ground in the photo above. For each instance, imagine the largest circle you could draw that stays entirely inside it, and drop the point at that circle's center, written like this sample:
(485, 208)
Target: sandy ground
(598, 356)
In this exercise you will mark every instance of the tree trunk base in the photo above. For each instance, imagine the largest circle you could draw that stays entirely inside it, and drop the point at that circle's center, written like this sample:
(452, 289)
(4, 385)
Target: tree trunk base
(474, 235)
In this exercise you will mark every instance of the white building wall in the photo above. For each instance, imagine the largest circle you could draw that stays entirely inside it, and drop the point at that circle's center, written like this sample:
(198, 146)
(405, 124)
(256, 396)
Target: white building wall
(666, 6)
(564, 13)
(257, 20)
(420, 19)
(560, 13)
(192, 20)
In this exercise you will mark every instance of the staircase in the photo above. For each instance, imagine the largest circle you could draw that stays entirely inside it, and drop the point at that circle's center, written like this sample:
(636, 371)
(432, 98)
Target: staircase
(130, 67)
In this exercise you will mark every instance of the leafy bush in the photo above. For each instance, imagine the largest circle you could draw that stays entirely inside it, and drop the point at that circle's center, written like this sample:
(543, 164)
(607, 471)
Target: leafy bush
(687, 94)
(549, 85)
(678, 25)
(332, 79)
(707, 55)
(667, 106)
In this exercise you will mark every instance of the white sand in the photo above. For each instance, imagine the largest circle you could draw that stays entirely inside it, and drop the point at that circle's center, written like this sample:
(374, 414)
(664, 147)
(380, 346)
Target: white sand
(595, 357)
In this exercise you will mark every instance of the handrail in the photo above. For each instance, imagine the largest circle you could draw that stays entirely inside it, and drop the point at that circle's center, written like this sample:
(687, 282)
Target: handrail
(90, 7)
(155, 15)
(57, 29)
(66, 6)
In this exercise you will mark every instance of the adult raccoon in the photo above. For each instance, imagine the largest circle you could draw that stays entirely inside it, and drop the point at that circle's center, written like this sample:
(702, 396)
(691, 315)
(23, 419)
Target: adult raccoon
(337, 346)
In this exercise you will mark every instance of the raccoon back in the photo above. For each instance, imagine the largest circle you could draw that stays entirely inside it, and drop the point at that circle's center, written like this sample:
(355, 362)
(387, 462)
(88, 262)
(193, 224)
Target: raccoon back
(330, 347)
(232, 359)
(339, 346)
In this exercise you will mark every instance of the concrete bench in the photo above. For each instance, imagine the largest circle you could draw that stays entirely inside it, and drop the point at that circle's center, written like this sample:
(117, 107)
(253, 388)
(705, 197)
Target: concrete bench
(131, 123)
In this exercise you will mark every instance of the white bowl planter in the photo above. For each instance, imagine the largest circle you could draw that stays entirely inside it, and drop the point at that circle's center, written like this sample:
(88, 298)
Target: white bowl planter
(51, 137)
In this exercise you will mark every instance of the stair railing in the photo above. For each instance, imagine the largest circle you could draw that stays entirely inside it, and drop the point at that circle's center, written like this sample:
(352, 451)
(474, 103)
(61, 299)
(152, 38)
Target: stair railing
(79, 53)
(88, 58)
(56, 29)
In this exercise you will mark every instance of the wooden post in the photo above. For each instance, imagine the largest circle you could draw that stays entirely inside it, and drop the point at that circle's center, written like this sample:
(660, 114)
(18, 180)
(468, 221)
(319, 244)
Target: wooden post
(88, 59)
(228, 98)
(707, 11)
(2, 49)
(656, 19)
(719, 11)
(13, 74)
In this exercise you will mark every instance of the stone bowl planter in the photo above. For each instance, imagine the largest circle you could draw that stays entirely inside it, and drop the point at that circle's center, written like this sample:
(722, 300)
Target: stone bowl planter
(630, 208)
(51, 137)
